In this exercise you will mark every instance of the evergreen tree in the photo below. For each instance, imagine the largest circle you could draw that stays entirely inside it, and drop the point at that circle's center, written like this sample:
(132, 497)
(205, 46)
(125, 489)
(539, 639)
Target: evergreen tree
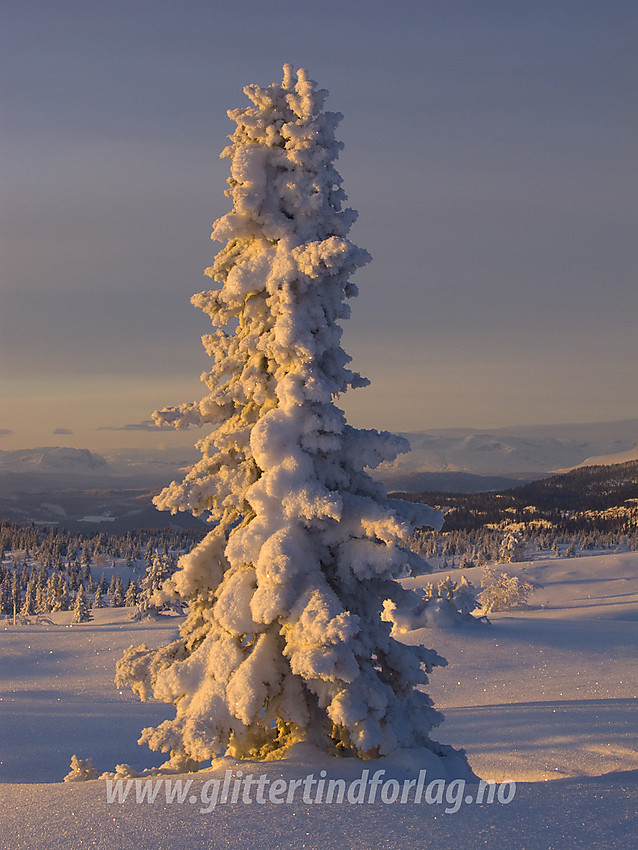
(87, 578)
(284, 639)
(65, 597)
(16, 593)
(150, 601)
(55, 593)
(29, 601)
(512, 548)
(130, 597)
(148, 554)
(41, 595)
(81, 612)
(6, 604)
(117, 600)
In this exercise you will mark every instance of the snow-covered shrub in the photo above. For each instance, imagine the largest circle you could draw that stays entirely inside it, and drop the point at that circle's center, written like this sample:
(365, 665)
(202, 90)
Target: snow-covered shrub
(464, 597)
(448, 605)
(284, 640)
(502, 592)
(81, 770)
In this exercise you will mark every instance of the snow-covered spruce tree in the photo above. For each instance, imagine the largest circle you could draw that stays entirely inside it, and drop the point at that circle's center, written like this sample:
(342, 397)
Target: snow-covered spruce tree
(284, 640)
(149, 601)
(81, 611)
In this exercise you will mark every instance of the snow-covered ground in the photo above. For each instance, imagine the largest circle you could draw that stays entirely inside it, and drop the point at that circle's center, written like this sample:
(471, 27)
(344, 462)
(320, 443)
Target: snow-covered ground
(548, 693)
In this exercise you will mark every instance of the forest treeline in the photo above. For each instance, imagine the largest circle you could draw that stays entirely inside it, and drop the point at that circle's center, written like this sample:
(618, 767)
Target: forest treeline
(601, 499)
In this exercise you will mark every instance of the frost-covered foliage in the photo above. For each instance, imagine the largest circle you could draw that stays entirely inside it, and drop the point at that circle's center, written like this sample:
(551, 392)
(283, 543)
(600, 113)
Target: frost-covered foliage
(512, 549)
(284, 639)
(448, 605)
(41, 569)
(501, 591)
(478, 546)
(81, 610)
(81, 770)
(131, 595)
(151, 600)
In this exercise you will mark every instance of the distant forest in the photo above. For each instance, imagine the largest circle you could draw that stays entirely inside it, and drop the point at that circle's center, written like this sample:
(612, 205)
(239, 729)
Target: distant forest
(592, 498)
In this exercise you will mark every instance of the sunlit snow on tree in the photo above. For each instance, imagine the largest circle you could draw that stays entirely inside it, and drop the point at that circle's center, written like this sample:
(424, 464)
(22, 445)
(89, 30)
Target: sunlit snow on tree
(284, 639)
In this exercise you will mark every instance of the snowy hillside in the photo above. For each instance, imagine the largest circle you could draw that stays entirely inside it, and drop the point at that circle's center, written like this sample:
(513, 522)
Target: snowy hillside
(547, 693)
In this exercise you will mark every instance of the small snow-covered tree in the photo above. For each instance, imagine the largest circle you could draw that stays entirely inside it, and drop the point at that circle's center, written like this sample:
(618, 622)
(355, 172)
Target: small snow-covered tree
(29, 602)
(81, 611)
(150, 600)
(502, 592)
(284, 639)
(130, 597)
(117, 600)
(56, 596)
(464, 597)
(512, 548)
(448, 605)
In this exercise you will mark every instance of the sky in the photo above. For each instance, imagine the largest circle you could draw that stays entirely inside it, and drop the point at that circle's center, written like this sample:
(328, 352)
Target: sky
(490, 150)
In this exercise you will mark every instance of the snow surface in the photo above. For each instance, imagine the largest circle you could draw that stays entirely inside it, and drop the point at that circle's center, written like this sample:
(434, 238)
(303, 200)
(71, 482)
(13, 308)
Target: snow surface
(548, 693)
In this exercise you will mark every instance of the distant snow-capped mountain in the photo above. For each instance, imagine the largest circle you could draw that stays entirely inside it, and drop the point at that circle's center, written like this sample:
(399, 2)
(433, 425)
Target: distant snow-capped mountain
(83, 491)
(459, 460)
(49, 460)
(52, 459)
(518, 453)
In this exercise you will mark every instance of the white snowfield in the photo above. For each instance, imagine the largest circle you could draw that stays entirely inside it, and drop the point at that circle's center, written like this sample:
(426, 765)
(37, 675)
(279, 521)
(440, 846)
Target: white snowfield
(546, 697)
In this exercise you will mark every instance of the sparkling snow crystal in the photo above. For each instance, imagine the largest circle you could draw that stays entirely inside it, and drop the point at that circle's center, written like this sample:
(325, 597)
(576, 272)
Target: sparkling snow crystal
(284, 639)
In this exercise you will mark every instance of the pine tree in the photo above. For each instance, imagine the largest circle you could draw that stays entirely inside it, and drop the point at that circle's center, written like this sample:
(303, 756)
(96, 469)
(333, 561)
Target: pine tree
(284, 639)
(55, 600)
(41, 595)
(6, 602)
(65, 597)
(16, 593)
(130, 597)
(512, 548)
(29, 601)
(117, 600)
(81, 612)
(98, 599)
(87, 577)
(149, 602)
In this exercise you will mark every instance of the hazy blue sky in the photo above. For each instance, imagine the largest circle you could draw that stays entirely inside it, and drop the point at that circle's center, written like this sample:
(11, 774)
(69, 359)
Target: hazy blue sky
(490, 152)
